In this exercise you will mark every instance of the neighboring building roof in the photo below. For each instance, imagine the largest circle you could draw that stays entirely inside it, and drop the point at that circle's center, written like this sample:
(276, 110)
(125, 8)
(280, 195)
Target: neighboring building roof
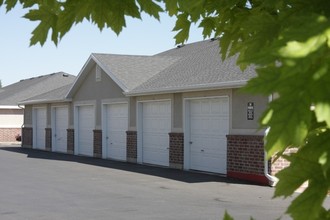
(27, 88)
(56, 95)
(199, 67)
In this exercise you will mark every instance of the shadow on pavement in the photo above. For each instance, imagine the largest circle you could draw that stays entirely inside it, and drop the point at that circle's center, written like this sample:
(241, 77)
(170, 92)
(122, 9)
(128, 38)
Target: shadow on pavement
(173, 174)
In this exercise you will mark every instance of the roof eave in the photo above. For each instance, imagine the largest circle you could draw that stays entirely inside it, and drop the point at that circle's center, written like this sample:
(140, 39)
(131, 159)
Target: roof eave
(9, 107)
(200, 87)
(44, 101)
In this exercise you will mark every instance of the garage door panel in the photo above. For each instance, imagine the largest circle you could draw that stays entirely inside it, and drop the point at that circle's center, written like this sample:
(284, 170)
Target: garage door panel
(86, 123)
(116, 127)
(60, 131)
(209, 125)
(209, 163)
(156, 122)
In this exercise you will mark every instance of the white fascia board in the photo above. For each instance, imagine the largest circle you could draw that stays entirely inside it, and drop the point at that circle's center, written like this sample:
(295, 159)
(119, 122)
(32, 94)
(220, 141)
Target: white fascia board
(77, 79)
(9, 107)
(43, 101)
(200, 87)
(110, 74)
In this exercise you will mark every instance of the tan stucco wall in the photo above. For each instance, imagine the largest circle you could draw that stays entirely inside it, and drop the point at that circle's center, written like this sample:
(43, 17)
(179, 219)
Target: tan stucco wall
(96, 91)
(239, 110)
(92, 90)
(28, 116)
(132, 114)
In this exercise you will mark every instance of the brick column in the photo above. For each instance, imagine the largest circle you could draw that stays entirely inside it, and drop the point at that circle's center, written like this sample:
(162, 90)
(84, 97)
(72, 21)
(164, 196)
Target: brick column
(48, 139)
(9, 134)
(280, 163)
(131, 142)
(97, 148)
(245, 158)
(27, 137)
(70, 140)
(176, 150)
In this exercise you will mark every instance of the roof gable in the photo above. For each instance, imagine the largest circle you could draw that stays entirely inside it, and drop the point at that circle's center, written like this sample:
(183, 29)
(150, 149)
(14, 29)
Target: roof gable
(127, 71)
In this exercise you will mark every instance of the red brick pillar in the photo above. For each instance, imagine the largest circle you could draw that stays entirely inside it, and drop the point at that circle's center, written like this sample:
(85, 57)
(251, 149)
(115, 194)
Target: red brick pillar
(176, 150)
(245, 158)
(281, 163)
(48, 139)
(70, 140)
(97, 148)
(131, 142)
(27, 137)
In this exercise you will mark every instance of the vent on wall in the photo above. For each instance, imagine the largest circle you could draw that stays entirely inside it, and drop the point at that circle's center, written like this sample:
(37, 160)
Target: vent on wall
(98, 74)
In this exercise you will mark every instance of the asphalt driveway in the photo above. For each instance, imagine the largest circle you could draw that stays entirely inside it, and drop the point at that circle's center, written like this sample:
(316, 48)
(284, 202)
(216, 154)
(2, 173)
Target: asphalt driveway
(42, 185)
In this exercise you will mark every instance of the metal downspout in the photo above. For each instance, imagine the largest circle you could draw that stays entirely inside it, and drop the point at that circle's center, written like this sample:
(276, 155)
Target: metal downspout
(272, 180)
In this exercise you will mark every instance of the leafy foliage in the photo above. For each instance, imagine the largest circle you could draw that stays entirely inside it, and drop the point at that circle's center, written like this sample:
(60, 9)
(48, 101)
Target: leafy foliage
(288, 41)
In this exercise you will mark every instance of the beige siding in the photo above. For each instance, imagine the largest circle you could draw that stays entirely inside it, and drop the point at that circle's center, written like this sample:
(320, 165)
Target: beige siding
(11, 118)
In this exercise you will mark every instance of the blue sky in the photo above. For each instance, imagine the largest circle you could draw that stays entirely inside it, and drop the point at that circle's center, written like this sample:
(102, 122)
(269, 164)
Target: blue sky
(20, 61)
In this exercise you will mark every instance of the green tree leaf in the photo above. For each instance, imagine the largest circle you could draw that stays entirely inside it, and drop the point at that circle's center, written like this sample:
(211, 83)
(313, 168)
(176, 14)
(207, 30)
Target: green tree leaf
(10, 4)
(183, 26)
(227, 216)
(171, 7)
(311, 199)
(322, 111)
(150, 8)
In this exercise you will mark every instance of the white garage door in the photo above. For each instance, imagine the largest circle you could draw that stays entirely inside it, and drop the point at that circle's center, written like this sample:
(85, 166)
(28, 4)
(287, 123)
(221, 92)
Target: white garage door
(40, 121)
(85, 126)
(156, 124)
(209, 125)
(116, 119)
(60, 123)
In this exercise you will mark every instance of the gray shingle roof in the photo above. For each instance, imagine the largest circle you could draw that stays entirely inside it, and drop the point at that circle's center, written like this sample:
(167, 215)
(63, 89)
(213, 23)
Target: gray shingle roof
(199, 66)
(131, 70)
(56, 95)
(195, 66)
(25, 89)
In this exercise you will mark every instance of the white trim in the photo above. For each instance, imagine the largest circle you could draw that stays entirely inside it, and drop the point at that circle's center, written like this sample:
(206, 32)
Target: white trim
(9, 126)
(44, 101)
(9, 107)
(246, 131)
(78, 77)
(186, 126)
(193, 88)
(114, 101)
(104, 118)
(139, 125)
